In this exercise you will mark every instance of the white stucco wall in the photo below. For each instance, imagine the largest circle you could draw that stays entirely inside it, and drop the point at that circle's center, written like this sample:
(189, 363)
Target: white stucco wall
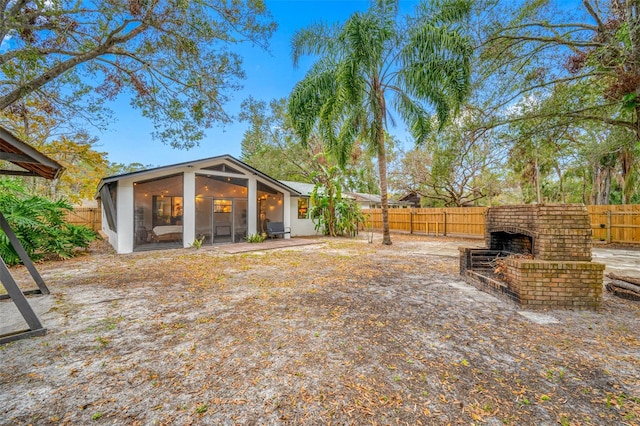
(112, 236)
(299, 227)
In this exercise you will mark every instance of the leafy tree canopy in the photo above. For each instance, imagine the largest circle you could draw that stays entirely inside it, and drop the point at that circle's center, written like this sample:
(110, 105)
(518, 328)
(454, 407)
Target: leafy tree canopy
(173, 57)
(270, 145)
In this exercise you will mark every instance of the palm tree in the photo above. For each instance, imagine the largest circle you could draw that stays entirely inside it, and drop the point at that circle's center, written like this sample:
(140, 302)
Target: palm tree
(419, 64)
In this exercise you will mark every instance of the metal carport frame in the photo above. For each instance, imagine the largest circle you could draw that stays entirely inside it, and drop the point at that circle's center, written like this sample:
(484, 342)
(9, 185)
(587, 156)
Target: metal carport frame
(29, 162)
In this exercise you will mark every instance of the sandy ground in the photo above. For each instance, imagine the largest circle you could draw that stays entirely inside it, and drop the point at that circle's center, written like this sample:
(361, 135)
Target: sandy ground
(337, 332)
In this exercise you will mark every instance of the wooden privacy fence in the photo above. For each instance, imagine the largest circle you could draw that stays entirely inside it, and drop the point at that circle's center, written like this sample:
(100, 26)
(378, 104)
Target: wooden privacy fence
(616, 224)
(610, 223)
(461, 222)
(87, 216)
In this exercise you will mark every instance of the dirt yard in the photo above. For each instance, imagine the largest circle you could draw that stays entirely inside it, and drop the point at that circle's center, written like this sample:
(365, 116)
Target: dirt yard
(340, 332)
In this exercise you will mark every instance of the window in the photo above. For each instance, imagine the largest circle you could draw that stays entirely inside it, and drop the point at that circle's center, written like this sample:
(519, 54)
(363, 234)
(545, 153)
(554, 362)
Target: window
(303, 208)
(222, 206)
(166, 210)
(223, 168)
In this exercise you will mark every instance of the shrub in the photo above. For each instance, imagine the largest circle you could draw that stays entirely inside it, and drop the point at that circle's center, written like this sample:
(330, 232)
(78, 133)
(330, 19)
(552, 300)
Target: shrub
(39, 224)
(255, 238)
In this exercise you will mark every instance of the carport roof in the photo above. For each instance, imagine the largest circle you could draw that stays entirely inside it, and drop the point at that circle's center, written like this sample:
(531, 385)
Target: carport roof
(32, 162)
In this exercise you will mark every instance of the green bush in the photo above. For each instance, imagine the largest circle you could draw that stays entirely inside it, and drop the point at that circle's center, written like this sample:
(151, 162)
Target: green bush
(255, 238)
(39, 224)
(332, 214)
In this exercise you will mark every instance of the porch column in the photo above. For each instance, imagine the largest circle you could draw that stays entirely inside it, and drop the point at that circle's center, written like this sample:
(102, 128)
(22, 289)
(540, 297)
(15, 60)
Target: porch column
(189, 209)
(124, 219)
(252, 206)
(287, 212)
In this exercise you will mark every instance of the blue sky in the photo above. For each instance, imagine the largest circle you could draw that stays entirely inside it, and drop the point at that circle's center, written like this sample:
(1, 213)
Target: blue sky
(269, 75)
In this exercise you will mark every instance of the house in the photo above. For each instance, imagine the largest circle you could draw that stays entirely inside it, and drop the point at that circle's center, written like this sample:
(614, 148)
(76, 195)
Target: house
(373, 201)
(413, 198)
(218, 199)
(363, 200)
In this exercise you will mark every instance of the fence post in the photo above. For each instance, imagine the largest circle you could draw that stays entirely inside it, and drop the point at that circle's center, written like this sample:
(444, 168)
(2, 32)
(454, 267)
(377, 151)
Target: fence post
(608, 226)
(444, 223)
(411, 222)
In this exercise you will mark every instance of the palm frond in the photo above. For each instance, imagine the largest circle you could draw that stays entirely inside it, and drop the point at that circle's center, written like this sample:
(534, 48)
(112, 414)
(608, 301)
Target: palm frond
(444, 12)
(308, 97)
(316, 39)
(418, 119)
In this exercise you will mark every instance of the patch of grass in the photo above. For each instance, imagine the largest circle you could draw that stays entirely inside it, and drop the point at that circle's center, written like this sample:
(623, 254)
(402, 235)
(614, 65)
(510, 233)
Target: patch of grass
(110, 323)
(202, 408)
(96, 416)
(103, 342)
(561, 372)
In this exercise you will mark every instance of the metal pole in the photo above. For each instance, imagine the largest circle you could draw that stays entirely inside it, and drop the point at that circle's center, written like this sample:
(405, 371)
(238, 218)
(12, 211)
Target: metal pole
(35, 327)
(26, 260)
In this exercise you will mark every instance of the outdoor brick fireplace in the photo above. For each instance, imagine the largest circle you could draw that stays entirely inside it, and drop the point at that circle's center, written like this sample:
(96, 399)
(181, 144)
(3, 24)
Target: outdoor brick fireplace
(538, 256)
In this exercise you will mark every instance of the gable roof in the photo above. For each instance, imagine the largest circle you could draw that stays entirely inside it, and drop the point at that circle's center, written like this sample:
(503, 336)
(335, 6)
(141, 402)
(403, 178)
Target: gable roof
(26, 157)
(195, 164)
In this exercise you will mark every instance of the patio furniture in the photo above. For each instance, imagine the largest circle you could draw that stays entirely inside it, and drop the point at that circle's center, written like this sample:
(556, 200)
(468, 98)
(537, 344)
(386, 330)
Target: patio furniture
(165, 233)
(277, 228)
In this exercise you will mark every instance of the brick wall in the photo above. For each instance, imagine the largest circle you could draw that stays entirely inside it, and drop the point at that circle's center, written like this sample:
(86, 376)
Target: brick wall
(560, 231)
(545, 284)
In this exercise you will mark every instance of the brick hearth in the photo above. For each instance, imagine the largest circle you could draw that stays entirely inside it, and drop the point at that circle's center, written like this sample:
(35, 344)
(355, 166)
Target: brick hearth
(560, 274)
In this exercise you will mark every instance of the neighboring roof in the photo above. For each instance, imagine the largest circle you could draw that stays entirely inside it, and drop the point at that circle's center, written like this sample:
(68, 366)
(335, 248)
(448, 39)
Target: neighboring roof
(302, 187)
(26, 157)
(195, 163)
(307, 189)
(372, 198)
(410, 196)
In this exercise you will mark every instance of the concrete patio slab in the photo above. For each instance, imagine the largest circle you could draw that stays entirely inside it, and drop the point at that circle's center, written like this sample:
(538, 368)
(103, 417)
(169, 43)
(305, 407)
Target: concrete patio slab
(267, 245)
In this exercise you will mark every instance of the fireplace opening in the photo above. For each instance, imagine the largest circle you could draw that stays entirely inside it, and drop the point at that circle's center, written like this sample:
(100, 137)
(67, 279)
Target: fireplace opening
(515, 243)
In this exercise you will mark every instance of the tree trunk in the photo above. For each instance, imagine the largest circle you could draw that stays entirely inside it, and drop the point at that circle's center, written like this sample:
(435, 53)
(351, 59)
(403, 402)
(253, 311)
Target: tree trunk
(561, 184)
(606, 190)
(538, 193)
(382, 168)
(627, 160)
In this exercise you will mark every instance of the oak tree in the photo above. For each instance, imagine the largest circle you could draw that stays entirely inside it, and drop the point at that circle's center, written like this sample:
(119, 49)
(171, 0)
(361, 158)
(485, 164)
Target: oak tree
(174, 58)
